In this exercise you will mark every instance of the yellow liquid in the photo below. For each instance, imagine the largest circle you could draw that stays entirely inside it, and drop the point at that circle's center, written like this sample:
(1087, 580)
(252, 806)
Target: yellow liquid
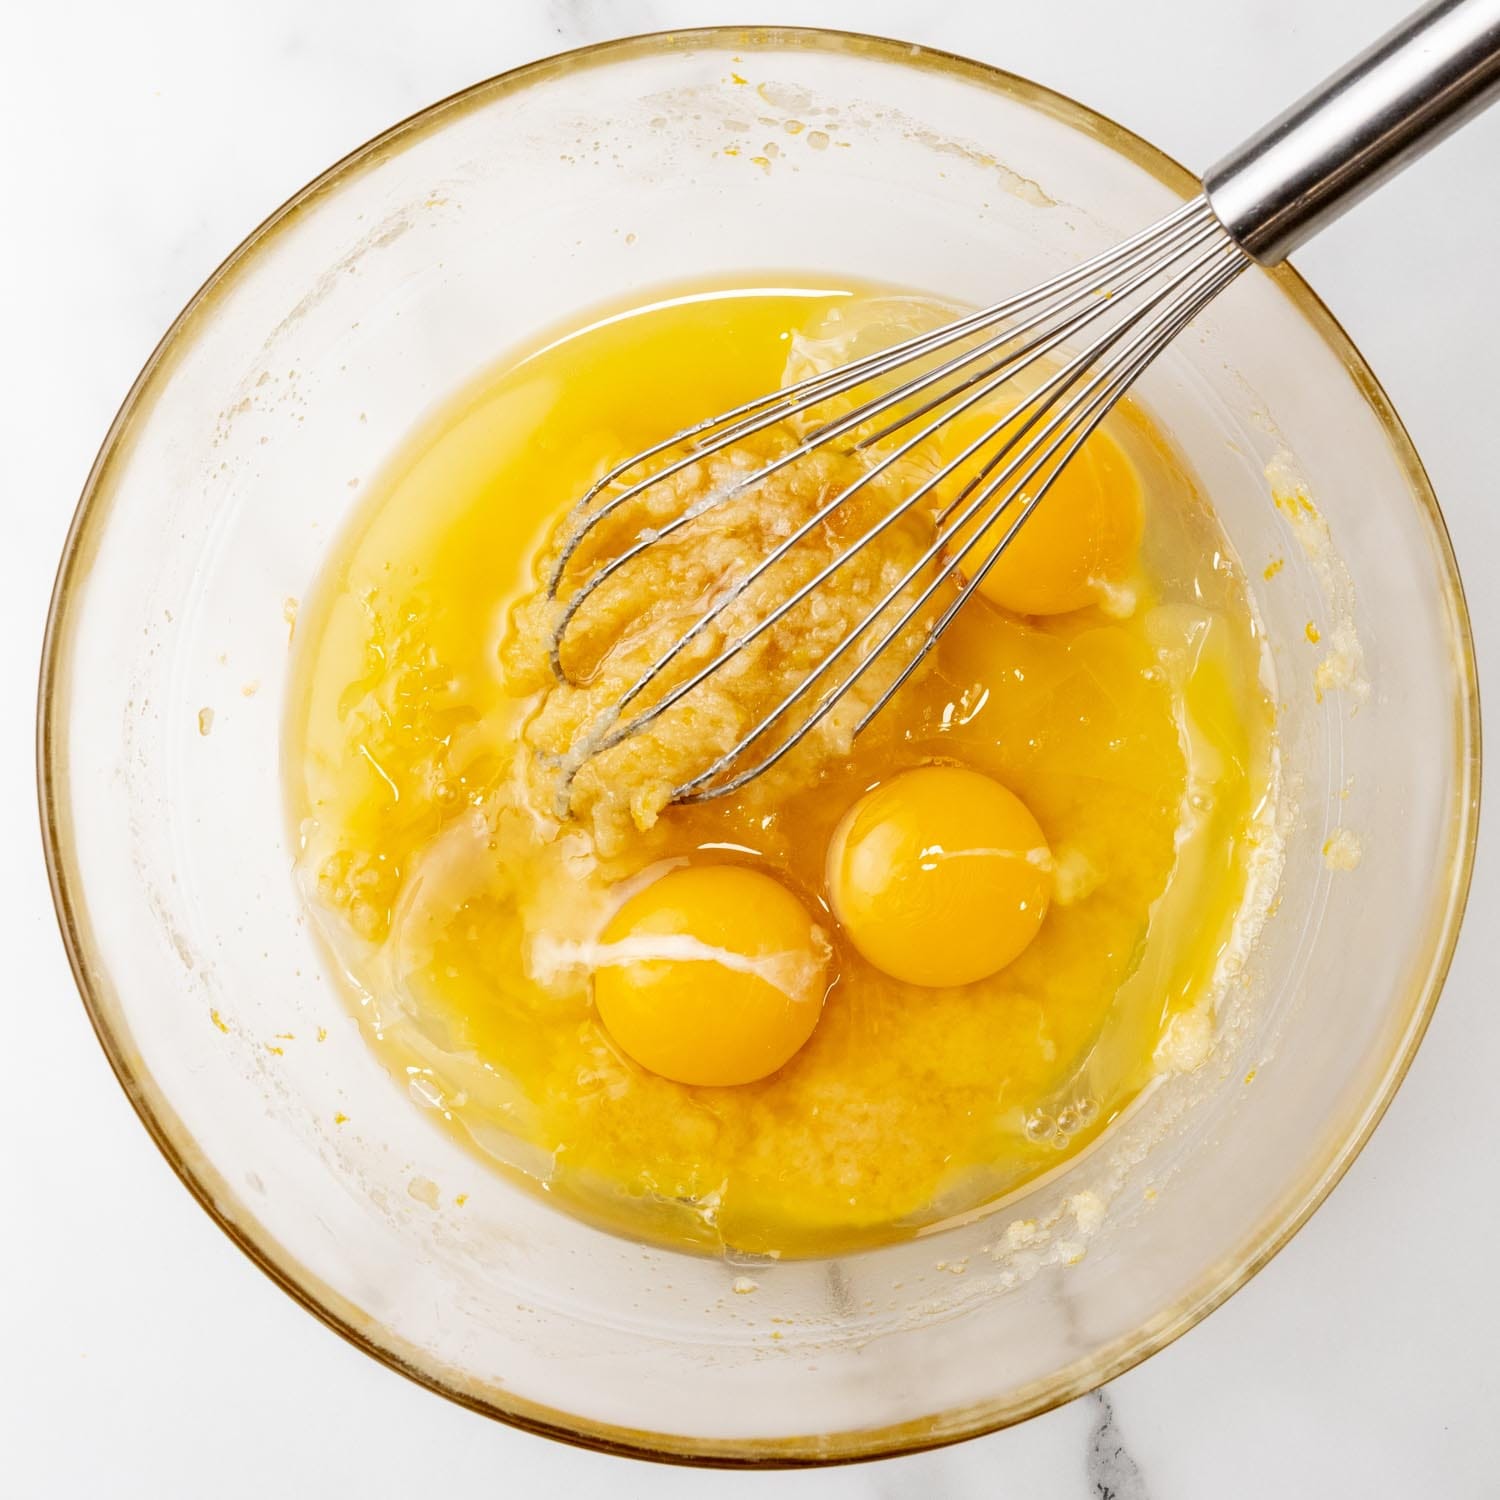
(1141, 744)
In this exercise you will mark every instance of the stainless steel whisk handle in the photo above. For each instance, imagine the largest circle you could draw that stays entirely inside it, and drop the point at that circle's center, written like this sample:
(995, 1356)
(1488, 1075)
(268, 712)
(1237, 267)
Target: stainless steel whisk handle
(1397, 99)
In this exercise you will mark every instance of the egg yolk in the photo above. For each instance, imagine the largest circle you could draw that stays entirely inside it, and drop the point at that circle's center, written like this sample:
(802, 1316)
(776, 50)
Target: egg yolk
(940, 876)
(712, 975)
(1079, 542)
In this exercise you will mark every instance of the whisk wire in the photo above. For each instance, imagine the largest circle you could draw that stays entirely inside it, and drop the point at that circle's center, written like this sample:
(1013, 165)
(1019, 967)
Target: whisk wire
(1097, 413)
(1142, 292)
(1144, 347)
(1186, 233)
(790, 398)
(762, 412)
(1055, 315)
(1041, 400)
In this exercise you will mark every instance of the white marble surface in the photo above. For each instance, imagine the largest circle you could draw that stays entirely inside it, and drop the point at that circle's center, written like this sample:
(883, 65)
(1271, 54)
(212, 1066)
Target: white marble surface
(140, 1354)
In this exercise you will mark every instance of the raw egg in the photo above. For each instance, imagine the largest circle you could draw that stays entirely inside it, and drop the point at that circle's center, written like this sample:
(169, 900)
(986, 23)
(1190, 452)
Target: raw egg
(711, 975)
(1078, 546)
(939, 876)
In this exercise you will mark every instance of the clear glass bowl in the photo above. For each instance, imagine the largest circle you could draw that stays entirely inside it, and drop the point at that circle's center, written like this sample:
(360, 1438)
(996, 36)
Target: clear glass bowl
(375, 292)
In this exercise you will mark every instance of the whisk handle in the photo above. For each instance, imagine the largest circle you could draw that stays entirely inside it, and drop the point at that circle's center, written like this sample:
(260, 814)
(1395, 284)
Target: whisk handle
(1398, 98)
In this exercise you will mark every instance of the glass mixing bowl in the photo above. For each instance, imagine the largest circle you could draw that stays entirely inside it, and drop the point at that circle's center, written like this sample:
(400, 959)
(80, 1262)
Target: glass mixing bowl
(244, 446)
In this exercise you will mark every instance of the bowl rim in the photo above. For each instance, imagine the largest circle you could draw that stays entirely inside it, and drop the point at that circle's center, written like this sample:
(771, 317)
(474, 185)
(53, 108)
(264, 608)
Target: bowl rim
(203, 1180)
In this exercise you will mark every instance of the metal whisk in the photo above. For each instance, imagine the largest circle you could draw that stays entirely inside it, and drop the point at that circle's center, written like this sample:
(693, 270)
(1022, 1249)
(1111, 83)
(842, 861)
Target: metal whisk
(1084, 336)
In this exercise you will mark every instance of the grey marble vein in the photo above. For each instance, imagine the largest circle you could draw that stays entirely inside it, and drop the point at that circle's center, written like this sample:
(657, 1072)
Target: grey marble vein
(1112, 1473)
(839, 1292)
(579, 21)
